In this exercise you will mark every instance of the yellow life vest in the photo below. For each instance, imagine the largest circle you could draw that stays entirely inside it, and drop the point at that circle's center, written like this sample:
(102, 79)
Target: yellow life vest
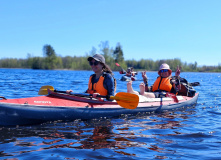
(162, 84)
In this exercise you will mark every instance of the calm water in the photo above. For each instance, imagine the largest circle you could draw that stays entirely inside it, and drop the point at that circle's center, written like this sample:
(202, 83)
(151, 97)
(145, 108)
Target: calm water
(193, 133)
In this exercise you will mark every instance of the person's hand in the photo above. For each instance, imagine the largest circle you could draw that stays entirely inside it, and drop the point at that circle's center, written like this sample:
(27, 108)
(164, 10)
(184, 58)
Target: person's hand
(144, 76)
(94, 95)
(178, 71)
(69, 91)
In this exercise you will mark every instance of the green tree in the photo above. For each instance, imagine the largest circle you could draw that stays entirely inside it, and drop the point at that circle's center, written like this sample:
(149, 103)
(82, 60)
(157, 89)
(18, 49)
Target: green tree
(92, 52)
(118, 54)
(67, 62)
(37, 63)
(48, 51)
(51, 58)
(107, 52)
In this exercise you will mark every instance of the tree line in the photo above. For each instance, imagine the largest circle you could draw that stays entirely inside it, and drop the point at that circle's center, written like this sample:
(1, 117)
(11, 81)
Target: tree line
(51, 60)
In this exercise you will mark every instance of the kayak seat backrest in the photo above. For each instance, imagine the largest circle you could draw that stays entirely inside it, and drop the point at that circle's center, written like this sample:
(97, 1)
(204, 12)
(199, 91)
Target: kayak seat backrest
(186, 88)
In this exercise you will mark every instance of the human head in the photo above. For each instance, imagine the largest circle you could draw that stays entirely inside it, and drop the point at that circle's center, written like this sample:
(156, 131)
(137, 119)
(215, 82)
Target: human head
(165, 66)
(132, 69)
(101, 59)
(97, 57)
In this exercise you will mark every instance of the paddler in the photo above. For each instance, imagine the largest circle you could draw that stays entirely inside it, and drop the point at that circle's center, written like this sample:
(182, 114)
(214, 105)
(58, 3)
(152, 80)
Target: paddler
(164, 83)
(102, 81)
(130, 72)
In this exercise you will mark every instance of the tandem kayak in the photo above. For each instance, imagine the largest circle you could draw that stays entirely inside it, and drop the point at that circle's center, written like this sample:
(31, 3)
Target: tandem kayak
(128, 78)
(60, 106)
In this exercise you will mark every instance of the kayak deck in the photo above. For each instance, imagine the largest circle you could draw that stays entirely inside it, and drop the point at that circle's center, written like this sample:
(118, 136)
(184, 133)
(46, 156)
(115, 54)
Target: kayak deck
(64, 100)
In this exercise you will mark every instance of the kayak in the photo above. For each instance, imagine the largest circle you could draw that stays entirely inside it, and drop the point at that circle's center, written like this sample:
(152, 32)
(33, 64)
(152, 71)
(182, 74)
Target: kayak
(60, 106)
(128, 78)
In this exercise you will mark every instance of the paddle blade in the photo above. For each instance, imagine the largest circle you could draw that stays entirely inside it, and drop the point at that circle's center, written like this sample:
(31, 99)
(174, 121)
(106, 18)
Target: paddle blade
(132, 78)
(126, 100)
(44, 90)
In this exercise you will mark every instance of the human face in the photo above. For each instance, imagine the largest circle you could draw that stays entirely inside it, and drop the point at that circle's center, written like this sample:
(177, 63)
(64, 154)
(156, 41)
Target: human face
(164, 73)
(96, 66)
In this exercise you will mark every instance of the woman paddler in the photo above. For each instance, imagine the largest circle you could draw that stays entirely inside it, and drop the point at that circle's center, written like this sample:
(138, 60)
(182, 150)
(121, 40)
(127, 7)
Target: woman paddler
(164, 83)
(102, 81)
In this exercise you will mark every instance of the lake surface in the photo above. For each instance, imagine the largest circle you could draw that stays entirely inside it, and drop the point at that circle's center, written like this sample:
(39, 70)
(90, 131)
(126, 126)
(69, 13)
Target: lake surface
(191, 133)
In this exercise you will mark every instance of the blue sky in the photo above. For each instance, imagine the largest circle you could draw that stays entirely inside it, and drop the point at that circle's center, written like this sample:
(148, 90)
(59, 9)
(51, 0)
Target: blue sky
(149, 29)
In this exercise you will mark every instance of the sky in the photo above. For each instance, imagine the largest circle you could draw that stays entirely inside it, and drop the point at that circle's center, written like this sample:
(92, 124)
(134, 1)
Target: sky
(146, 29)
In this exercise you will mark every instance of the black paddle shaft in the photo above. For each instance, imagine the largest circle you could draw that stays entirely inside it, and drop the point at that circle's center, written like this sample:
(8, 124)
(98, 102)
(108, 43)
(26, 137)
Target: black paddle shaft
(82, 94)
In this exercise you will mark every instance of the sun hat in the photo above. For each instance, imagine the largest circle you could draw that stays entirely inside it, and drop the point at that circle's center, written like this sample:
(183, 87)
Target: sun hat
(165, 66)
(97, 57)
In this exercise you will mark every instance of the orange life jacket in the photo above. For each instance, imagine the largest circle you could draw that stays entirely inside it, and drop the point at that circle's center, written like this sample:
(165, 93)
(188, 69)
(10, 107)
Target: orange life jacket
(99, 86)
(162, 84)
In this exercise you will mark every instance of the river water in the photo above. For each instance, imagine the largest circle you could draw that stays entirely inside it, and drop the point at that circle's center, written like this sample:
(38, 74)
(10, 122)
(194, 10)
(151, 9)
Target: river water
(190, 133)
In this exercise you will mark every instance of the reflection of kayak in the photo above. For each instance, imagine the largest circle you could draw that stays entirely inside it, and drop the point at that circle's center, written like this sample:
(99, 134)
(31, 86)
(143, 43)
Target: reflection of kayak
(58, 106)
(128, 78)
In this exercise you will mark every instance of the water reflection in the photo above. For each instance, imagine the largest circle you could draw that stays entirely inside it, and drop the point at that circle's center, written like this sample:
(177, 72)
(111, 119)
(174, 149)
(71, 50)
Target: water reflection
(101, 137)
(149, 133)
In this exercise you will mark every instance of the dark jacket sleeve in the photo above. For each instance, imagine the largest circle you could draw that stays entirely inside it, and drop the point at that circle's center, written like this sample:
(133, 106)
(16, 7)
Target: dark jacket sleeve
(109, 84)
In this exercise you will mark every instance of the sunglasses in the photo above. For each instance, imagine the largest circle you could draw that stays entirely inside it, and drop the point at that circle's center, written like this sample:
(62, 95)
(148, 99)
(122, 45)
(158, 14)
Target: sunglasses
(93, 63)
(163, 70)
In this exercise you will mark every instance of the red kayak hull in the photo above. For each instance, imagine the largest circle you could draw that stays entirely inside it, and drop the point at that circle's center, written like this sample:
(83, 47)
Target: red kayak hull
(64, 107)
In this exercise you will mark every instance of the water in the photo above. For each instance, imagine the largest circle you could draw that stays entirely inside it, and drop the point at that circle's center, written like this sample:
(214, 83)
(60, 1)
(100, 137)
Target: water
(192, 133)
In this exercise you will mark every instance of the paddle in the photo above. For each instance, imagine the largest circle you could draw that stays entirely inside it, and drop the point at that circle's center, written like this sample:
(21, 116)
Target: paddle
(194, 84)
(123, 71)
(126, 100)
(3, 97)
(44, 91)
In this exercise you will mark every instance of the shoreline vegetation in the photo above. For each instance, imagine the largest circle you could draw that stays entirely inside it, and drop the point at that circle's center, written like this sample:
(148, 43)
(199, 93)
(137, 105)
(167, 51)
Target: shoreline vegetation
(52, 61)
